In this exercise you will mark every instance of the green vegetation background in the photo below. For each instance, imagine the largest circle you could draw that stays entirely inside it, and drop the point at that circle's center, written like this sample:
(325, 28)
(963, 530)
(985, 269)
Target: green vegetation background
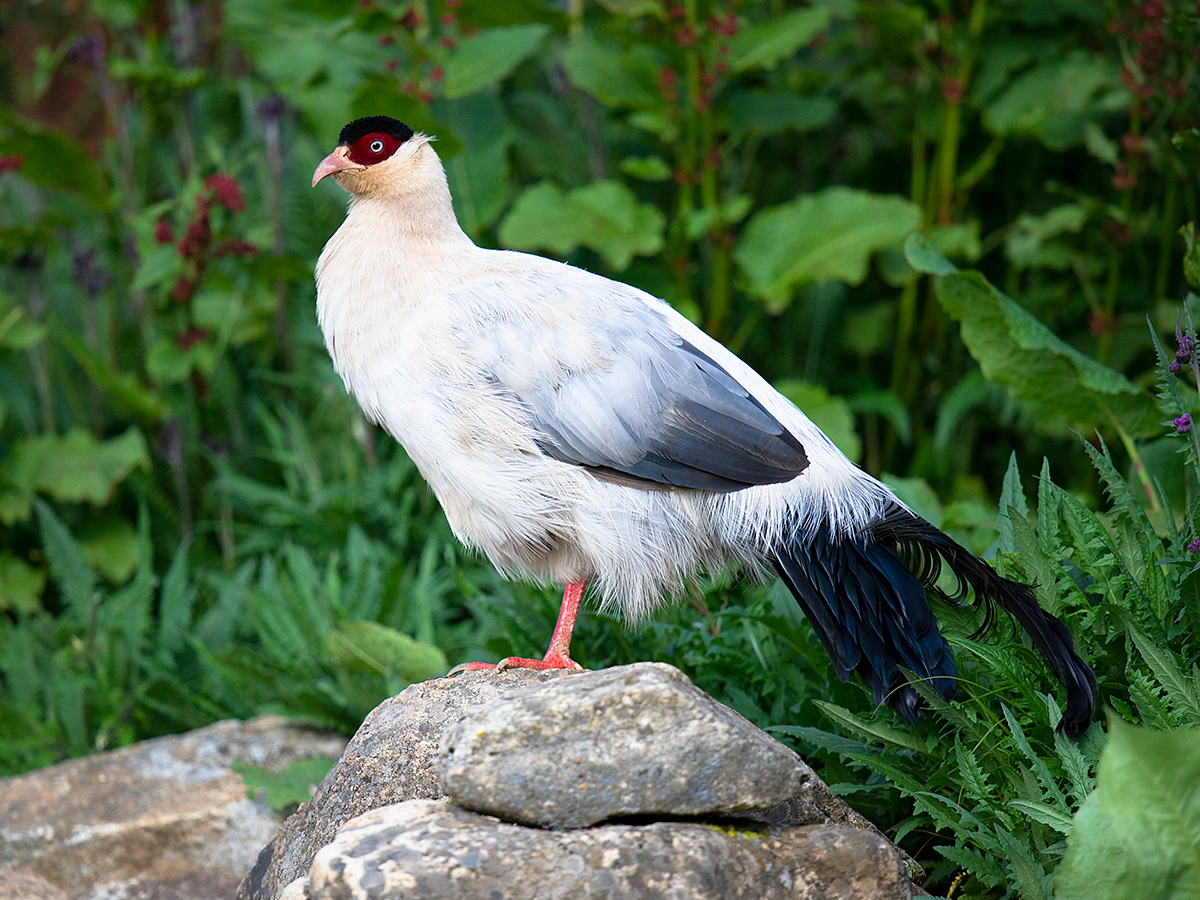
(940, 227)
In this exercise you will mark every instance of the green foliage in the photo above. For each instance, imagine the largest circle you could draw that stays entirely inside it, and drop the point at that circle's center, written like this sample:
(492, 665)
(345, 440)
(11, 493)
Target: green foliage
(197, 522)
(287, 788)
(1055, 381)
(828, 236)
(1138, 834)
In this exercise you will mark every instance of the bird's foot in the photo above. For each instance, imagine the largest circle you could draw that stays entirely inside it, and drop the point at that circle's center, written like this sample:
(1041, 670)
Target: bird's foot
(552, 661)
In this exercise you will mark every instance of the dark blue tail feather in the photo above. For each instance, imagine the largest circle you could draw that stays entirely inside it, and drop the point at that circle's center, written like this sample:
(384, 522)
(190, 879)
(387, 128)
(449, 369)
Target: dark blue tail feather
(866, 599)
(871, 614)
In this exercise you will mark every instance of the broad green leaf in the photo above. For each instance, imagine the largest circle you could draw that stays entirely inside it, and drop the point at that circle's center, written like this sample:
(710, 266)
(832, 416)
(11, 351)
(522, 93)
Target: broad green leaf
(1056, 99)
(755, 113)
(372, 647)
(923, 256)
(50, 159)
(604, 216)
(1057, 383)
(21, 585)
(161, 265)
(614, 76)
(884, 402)
(1191, 255)
(307, 51)
(1029, 244)
(647, 168)
(959, 241)
(18, 332)
(111, 546)
(826, 236)
(76, 466)
(632, 8)
(481, 61)
(478, 175)
(831, 414)
(170, 364)
(1137, 836)
(763, 46)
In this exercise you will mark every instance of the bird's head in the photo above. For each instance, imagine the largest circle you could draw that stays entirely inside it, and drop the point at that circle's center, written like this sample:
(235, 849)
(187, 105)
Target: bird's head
(379, 155)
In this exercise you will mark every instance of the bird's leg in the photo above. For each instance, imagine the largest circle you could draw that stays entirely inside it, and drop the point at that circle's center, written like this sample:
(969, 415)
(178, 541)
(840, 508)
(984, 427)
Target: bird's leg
(557, 654)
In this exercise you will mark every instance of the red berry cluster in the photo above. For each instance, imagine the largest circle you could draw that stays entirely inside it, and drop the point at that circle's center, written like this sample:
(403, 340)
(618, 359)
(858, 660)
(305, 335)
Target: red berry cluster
(1158, 60)
(709, 41)
(428, 72)
(196, 245)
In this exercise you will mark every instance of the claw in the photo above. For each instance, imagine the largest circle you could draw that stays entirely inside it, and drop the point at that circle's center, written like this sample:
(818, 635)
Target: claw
(470, 667)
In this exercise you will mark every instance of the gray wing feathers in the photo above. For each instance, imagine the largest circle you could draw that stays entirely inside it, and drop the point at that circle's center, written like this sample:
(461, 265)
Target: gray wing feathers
(643, 405)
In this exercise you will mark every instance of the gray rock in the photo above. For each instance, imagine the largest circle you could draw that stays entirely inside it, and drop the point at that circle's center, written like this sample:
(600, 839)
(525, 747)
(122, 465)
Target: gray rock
(427, 850)
(16, 884)
(388, 760)
(633, 740)
(165, 818)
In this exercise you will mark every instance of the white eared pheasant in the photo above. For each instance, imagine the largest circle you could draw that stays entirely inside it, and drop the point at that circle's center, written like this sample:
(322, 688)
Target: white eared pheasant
(579, 430)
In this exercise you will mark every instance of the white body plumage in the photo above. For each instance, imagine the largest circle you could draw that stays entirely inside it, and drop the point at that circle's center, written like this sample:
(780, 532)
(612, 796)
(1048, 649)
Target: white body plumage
(451, 348)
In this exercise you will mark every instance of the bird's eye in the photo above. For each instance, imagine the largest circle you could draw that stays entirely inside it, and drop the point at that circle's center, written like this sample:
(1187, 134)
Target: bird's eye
(376, 146)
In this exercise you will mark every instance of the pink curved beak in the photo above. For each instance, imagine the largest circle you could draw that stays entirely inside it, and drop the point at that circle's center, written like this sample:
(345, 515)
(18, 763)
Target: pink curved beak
(337, 161)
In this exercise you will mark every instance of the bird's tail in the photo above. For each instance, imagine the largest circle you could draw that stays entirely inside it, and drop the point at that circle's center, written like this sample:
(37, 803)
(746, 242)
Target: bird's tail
(866, 598)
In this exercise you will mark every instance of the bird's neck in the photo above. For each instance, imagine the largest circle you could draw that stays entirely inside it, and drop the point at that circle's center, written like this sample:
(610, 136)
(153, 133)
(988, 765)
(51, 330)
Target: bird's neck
(420, 211)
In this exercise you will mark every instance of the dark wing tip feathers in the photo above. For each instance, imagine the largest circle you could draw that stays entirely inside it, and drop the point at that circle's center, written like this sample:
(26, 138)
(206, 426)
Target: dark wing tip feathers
(371, 124)
(924, 547)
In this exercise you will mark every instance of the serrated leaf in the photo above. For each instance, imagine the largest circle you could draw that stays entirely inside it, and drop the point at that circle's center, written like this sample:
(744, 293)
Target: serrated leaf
(986, 868)
(1181, 691)
(1047, 815)
(372, 647)
(483, 60)
(75, 579)
(879, 731)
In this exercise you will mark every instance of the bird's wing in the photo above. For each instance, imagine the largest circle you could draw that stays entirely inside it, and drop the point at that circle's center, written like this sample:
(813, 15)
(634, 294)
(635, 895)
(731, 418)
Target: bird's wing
(614, 387)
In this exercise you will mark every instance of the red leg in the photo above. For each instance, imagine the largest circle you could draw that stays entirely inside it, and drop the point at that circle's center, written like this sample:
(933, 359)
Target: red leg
(558, 653)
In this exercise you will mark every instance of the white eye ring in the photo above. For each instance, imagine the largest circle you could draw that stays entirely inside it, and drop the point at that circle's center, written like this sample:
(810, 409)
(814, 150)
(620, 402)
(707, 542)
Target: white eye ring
(376, 146)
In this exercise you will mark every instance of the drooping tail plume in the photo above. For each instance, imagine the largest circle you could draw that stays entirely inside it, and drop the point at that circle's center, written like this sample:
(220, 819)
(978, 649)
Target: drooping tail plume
(866, 598)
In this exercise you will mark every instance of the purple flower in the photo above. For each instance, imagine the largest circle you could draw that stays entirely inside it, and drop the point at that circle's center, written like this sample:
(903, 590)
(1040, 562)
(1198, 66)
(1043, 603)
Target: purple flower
(271, 108)
(1194, 545)
(1174, 367)
(1187, 346)
(1183, 424)
(89, 275)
